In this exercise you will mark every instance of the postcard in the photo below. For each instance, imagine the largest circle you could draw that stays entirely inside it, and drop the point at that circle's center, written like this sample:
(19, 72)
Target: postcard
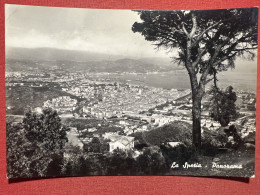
(96, 92)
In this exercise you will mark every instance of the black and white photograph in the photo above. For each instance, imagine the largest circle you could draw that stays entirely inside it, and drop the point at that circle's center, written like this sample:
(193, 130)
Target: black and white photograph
(106, 92)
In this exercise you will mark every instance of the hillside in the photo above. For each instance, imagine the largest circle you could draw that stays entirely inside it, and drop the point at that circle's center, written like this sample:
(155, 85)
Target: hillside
(176, 131)
(18, 59)
(17, 97)
(53, 54)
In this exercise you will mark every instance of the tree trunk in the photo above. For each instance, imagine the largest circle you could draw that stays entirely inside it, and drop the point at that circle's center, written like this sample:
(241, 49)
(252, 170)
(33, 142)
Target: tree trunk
(196, 117)
(197, 92)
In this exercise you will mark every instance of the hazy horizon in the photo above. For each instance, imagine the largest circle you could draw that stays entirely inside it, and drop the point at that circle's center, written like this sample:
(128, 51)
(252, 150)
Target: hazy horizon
(99, 31)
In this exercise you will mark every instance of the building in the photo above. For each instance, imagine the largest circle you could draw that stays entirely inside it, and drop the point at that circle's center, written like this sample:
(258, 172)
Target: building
(124, 143)
(174, 144)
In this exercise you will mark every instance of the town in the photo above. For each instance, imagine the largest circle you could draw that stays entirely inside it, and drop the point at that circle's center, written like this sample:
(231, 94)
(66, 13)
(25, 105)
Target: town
(120, 108)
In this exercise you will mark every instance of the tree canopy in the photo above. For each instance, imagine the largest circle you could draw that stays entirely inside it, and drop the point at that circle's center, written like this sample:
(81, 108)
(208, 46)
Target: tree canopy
(35, 146)
(206, 42)
(216, 36)
(46, 129)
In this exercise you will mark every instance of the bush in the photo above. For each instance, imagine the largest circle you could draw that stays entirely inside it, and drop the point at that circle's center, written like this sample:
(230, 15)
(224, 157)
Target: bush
(179, 154)
(217, 138)
(233, 132)
(120, 163)
(223, 108)
(209, 149)
(151, 162)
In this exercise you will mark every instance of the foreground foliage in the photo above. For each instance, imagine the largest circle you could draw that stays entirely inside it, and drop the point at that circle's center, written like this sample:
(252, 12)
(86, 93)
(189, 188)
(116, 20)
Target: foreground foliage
(38, 147)
(34, 146)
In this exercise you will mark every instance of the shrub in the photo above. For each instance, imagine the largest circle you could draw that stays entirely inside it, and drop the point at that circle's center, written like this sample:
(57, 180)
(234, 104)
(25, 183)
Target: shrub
(151, 162)
(179, 154)
(216, 138)
(209, 149)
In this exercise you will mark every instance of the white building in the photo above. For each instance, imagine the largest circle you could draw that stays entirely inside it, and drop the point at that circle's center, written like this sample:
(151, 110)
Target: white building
(124, 143)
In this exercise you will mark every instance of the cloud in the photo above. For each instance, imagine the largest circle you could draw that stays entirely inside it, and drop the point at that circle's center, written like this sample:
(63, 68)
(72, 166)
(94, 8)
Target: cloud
(93, 30)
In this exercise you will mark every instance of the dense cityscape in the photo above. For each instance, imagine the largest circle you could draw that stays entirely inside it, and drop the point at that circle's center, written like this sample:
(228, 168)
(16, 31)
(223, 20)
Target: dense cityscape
(129, 107)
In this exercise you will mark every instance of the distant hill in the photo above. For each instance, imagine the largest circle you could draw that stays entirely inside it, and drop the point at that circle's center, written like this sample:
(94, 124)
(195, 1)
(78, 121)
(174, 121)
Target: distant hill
(48, 58)
(53, 54)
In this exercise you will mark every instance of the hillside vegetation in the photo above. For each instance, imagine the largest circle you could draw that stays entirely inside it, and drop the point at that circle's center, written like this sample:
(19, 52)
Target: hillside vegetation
(176, 131)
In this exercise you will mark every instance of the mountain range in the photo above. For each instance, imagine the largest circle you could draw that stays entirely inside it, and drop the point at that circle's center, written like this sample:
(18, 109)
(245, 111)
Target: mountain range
(18, 59)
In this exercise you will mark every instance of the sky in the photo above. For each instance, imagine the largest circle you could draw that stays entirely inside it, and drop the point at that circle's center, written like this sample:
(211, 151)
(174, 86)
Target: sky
(102, 31)
(94, 30)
